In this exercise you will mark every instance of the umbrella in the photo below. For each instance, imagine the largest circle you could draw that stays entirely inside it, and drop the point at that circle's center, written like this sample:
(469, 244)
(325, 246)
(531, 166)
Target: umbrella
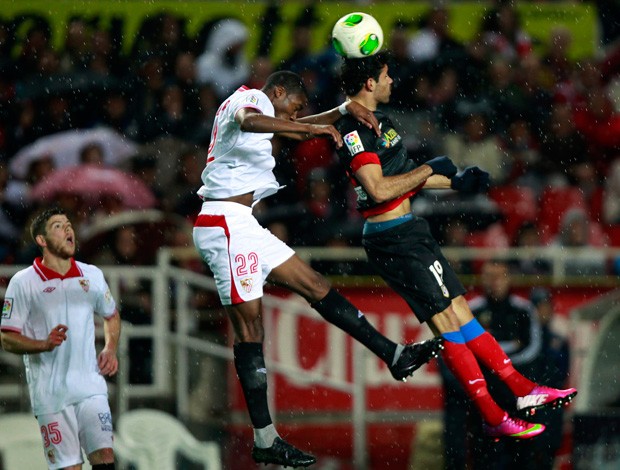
(93, 182)
(64, 147)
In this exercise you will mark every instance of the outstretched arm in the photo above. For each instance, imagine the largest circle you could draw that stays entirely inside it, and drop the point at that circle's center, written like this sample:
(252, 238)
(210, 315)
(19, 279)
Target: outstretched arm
(251, 120)
(358, 111)
(17, 343)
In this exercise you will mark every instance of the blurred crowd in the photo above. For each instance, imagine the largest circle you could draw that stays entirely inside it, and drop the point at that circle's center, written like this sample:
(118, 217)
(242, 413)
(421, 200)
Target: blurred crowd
(545, 126)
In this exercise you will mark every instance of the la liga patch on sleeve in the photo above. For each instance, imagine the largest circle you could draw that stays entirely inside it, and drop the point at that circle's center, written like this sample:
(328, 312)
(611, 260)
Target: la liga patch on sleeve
(7, 308)
(353, 142)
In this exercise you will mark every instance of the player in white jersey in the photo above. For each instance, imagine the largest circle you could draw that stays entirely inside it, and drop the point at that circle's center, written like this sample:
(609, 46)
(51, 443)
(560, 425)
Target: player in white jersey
(243, 255)
(48, 318)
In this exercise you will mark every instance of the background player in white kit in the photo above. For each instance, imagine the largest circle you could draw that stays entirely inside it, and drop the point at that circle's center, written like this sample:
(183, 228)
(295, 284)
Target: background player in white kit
(48, 318)
(243, 255)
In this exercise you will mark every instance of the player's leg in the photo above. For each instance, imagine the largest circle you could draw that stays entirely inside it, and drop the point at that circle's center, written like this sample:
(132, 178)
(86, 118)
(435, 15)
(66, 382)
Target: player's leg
(462, 363)
(237, 250)
(487, 350)
(61, 444)
(95, 431)
(299, 277)
(252, 372)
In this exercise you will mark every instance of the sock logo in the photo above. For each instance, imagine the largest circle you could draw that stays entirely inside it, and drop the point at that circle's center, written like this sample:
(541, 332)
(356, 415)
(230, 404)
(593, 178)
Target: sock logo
(262, 370)
(471, 382)
(506, 361)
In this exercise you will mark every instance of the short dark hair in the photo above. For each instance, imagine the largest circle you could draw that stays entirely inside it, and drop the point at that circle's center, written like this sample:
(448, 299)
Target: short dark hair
(290, 81)
(37, 227)
(355, 72)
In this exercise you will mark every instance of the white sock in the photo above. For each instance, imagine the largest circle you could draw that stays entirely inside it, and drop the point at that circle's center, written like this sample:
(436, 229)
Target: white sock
(399, 350)
(264, 437)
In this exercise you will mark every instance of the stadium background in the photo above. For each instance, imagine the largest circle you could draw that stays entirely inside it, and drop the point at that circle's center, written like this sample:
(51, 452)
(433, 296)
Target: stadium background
(537, 19)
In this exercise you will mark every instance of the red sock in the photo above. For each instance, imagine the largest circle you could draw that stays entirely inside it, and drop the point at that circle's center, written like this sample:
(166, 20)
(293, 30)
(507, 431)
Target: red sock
(463, 365)
(492, 356)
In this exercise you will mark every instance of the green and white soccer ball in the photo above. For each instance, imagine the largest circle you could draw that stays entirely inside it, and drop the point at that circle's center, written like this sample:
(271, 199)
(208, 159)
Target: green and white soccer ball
(357, 35)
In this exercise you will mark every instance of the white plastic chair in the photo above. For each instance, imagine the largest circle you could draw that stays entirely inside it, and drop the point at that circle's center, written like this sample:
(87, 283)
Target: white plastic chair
(20, 442)
(158, 436)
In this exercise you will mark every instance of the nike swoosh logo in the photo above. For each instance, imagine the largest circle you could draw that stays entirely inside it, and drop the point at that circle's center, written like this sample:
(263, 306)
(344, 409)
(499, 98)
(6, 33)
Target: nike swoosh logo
(471, 382)
(506, 361)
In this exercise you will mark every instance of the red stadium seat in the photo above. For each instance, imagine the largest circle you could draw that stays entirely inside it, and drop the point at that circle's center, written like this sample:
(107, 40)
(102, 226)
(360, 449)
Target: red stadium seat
(517, 204)
(554, 202)
(613, 233)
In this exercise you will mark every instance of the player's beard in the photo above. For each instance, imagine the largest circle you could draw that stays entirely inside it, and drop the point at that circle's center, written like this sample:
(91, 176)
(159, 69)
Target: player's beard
(61, 249)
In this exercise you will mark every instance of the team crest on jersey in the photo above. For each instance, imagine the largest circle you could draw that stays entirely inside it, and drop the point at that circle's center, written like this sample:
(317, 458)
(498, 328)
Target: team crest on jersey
(252, 99)
(108, 296)
(85, 283)
(390, 138)
(247, 284)
(353, 142)
(7, 308)
(106, 421)
(51, 456)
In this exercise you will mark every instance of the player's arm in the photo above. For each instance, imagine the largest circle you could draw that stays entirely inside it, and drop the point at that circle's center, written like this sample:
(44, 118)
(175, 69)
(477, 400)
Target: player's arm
(252, 120)
(385, 188)
(17, 343)
(108, 360)
(438, 182)
(362, 114)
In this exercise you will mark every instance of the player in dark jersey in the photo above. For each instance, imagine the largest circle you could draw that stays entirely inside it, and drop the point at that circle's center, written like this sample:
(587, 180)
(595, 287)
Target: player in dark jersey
(401, 249)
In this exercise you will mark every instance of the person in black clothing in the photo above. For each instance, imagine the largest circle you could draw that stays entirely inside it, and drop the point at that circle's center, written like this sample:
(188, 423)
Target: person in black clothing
(401, 249)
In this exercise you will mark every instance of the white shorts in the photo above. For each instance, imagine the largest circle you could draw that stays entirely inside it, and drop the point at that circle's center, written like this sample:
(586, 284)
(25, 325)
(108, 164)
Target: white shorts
(239, 251)
(86, 425)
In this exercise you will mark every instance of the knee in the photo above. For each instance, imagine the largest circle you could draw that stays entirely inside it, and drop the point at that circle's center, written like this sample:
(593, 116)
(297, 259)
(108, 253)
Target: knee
(317, 287)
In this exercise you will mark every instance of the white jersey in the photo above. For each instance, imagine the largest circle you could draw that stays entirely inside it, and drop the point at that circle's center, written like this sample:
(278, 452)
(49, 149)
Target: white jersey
(239, 162)
(38, 299)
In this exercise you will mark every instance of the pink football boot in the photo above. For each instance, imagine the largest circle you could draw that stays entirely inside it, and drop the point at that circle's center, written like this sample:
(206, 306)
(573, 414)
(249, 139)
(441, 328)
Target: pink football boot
(515, 428)
(544, 397)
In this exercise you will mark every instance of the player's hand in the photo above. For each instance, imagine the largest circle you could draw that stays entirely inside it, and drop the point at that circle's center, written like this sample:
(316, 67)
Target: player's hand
(56, 337)
(326, 130)
(364, 116)
(471, 180)
(108, 362)
(442, 166)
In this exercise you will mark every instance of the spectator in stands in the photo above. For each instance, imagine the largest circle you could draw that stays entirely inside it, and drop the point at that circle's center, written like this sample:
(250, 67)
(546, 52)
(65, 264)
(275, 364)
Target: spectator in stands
(76, 55)
(169, 118)
(455, 235)
(477, 146)
(522, 150)
(552, 367)
(502, 31)
(564, 150)
(433, 41)
(149, 88)
(185, 79)
(92, 154)
(223, 64)
(528, 236)
(35, 43)
(556, 60)
(578, 231)
(513, 322)
(503, 95)
(611, 198)
(405, 71)
(182, 194)
(116, 114)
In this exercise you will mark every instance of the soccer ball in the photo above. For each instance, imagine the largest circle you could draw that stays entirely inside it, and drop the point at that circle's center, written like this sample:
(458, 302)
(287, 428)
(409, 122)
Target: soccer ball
(357, 35)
